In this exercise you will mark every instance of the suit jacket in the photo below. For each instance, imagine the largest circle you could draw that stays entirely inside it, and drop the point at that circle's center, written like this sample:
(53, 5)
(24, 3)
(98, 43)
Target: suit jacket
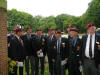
(16, 49)
(50, 46)
(96, 48)
(9, 37)
(74, 51)
(63, 49)
(28, 44)
(41, 44)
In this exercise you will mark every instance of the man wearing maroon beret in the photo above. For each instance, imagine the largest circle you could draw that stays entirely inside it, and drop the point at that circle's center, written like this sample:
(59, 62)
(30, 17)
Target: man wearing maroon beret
(50, 46)
(17, 51)
(74, 52)
(91, 51)
(60, 53)
(39, 44)
(9, 37)
(27, 40)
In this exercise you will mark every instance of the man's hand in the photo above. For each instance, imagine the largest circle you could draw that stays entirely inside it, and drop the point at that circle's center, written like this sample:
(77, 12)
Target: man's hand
(26, 57)
(66, 59)
(80, 62)
(16, 62)
(38, 52)
(53, 60)
(99, 66)
(8, 44)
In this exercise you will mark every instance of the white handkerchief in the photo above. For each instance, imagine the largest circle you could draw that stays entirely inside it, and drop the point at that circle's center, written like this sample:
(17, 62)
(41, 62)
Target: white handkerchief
(41, 54)
(81, 68)
(20, 64)
(63, 62)
(97, 42)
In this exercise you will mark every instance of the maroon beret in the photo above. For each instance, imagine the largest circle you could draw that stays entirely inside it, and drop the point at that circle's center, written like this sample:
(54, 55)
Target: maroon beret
(50, 29)
(39, 30)
(90, 25)
(58, 32)
(14, 29)
(74, 29)
(18, 29)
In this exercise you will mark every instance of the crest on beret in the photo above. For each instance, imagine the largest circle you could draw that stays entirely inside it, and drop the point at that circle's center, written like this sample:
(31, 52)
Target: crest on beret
(90, 25)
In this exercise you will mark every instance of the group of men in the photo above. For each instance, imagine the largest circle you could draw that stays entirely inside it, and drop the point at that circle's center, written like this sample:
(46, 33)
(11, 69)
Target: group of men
(70, 53)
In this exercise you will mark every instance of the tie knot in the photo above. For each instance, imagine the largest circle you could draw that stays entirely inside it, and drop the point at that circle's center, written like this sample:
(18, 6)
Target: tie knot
(90, 35)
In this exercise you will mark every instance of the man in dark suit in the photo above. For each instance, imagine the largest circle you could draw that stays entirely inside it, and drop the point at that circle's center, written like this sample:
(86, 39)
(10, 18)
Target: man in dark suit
(17, 51)
(40, 52)
(74, 60)
(91, 51)
(9, 37)
(27, 40)
(60, 55)
(50, 47)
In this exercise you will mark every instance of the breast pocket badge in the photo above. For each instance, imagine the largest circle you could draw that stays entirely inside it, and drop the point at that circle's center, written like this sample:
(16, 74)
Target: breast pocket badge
(43, 40)
(98, 47)
(78, 48)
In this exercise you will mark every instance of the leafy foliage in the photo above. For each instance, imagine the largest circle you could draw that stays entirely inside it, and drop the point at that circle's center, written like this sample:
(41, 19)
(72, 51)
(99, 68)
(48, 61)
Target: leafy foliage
(61, 21)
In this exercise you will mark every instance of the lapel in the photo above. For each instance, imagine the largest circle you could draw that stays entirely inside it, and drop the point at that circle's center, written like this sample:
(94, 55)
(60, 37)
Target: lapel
(60, 43)
(84, 42)
(95, 44)
(17, 40)
(76, 42)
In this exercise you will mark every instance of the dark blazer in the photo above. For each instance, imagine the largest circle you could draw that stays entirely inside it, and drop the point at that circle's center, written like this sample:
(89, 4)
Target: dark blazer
(50, 46)
(28, 44)
(16, 49)
(41, 44)
(74, 51)
(63, 49)
(96, 49)
(9, 37)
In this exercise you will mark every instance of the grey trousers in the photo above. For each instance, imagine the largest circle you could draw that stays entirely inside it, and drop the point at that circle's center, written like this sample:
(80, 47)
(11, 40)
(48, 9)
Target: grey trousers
(89, 67)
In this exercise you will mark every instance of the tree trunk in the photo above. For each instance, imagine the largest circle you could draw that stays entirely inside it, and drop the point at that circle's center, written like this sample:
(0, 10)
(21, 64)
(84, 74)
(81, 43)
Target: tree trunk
(3, 38)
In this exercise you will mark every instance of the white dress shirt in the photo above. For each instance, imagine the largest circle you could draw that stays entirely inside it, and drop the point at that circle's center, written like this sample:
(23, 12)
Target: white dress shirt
(87, 46)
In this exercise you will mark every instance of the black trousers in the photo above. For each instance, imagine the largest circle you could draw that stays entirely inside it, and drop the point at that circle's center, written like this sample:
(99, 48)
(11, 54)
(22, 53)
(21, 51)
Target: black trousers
(20, 71)
(60, 69)
(37, 59)
(73, 69)
(52, 66)
(32, 62)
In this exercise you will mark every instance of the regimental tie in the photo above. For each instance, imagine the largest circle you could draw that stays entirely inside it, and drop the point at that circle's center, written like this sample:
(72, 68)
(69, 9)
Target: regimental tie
(58, 45)
(50, 38)
(90, 47)
(21, 41)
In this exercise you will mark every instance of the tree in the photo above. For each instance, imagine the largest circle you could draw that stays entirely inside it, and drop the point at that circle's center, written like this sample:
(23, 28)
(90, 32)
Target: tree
(59, 20)
(19, 18)
(91, 15)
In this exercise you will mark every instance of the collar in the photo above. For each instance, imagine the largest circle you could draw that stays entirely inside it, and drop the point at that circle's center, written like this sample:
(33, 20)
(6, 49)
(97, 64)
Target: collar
(17, 36)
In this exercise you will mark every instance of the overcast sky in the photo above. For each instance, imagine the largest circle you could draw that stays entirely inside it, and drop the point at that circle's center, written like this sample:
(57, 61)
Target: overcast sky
(50, 7)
